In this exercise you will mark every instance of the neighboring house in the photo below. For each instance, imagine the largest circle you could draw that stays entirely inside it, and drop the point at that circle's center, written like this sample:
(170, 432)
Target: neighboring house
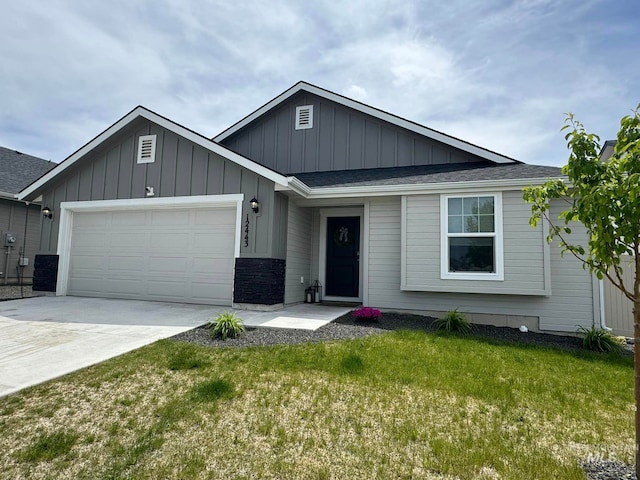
(382, 211)
(19, 220)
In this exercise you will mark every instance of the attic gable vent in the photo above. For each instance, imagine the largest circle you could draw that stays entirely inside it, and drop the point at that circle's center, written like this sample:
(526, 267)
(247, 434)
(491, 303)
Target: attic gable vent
(304, 117)
(147, 149)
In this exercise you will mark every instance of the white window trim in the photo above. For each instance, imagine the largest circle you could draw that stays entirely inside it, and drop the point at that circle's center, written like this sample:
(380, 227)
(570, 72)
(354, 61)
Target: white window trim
(298, 110)
(141, 140)
(445, 274)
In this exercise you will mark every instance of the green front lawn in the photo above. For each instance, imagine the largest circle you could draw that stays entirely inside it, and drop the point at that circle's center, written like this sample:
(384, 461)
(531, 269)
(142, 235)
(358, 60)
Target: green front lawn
(399, 405)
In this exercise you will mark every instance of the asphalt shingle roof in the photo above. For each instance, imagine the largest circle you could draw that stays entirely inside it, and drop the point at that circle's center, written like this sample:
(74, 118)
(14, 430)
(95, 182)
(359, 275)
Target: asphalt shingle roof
(17, 170)
(413, 175)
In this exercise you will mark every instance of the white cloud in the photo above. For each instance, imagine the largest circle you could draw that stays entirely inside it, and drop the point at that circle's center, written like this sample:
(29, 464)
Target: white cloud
(356, 92)
(497, 73)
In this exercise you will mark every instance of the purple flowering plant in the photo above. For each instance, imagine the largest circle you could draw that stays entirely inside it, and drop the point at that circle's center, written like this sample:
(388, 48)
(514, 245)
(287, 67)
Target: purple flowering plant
(367, 314)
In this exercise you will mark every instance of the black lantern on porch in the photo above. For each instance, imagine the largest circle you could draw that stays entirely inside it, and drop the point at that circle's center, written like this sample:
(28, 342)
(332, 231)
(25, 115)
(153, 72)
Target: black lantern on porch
(317, 291)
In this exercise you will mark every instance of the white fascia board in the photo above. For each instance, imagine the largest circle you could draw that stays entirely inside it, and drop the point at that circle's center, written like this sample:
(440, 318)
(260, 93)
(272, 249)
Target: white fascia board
(165, 123)
(300, 188)
(8, 196)
(374, 112)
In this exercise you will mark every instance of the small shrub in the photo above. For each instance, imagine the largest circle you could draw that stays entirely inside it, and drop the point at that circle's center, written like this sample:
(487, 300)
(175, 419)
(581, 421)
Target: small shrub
(367, 314)
(599, 340)
(454, 321)
(226, 325)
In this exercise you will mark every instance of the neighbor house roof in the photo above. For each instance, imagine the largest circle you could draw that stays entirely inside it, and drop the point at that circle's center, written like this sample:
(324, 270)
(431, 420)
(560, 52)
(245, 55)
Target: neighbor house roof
(142, 112)
(17, 170)
(374, 112)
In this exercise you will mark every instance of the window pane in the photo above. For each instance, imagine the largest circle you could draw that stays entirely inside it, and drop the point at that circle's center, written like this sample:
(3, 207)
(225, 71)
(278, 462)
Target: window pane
(486, 205)
(455, 206)
(455, 224)
(486, 223)
(470, 205)
(471, 255)
(470, 223)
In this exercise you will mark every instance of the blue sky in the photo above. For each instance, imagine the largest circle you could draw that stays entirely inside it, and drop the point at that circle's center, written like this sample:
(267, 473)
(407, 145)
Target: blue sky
(500, 74)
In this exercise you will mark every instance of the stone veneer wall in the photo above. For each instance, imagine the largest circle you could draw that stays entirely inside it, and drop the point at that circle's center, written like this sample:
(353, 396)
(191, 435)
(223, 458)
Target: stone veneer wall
(45, 273)
(259, 281)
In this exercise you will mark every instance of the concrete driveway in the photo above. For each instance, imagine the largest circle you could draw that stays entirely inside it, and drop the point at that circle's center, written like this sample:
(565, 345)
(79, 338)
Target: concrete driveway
(45, 337)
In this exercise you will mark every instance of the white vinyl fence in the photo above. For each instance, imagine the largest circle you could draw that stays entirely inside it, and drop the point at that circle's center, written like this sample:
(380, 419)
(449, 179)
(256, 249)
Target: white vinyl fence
(618, 309)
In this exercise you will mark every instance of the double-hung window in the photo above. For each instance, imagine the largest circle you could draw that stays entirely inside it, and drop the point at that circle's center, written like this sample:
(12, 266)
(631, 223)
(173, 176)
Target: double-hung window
(471, 237)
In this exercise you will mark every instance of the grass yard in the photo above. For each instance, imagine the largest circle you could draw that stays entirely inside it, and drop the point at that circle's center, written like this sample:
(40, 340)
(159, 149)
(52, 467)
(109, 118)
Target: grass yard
(405, 404)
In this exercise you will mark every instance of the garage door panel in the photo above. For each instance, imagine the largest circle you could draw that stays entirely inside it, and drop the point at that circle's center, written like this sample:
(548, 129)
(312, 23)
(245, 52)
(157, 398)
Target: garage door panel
(182, 255)
(127, 240)
(89, 241)
(170, 240)
(128, 263)
(215, 217)
(90, 220)
(88, 262)
(221, 240)
(164, 264)
(127, 218)
(176, 218)
(88, 285)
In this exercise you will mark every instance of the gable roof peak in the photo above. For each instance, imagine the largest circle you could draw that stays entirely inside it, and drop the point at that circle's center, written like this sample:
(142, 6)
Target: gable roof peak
(368, 110)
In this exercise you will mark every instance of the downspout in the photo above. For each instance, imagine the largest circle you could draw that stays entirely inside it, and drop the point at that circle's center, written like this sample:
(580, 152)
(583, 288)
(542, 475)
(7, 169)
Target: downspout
(603, 320)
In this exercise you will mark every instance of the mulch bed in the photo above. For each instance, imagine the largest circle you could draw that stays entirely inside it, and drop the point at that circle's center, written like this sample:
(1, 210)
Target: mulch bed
(347, 327)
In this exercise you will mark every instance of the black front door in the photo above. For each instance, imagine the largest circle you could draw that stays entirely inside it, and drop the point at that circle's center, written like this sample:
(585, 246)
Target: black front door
(343, 257)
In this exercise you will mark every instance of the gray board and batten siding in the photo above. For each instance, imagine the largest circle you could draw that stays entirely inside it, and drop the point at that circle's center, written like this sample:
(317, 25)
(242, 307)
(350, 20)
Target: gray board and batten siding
(13, 216)
(341, 139)
(181, 168)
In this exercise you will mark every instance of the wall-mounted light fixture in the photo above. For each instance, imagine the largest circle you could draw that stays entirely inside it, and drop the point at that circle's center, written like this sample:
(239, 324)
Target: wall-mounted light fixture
(255, 206)
(47, 213)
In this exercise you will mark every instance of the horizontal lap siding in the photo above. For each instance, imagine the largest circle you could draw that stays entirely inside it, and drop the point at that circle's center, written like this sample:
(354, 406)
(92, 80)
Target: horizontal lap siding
(298, 253)
(523, 248)
(571, 302)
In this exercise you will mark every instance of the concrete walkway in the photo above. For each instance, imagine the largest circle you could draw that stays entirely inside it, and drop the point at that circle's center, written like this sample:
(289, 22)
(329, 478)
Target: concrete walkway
(45, 337)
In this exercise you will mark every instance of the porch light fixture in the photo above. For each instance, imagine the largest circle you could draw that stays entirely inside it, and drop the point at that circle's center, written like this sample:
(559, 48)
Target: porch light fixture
(255, 206)
(47, 213)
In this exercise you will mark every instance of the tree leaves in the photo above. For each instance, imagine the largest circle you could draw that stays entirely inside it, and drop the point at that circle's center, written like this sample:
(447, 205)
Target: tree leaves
(603, 196)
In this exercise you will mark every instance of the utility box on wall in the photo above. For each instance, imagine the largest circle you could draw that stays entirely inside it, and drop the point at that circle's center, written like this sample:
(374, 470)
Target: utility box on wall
(10, 239)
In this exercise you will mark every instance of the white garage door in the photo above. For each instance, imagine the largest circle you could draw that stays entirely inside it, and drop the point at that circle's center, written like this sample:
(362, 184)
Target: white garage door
(177, 255)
